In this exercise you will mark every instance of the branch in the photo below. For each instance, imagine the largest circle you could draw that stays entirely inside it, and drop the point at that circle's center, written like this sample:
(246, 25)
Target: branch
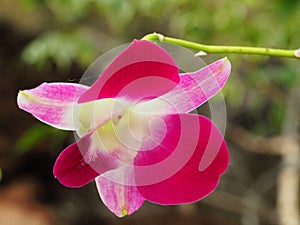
(258, 144)
(215, 49)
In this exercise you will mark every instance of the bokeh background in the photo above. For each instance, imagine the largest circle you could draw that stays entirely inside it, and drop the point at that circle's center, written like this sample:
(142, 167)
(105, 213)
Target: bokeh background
(56, 40)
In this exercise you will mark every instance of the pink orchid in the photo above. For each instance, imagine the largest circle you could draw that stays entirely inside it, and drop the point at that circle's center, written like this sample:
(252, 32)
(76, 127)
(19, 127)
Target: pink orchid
(136, 138)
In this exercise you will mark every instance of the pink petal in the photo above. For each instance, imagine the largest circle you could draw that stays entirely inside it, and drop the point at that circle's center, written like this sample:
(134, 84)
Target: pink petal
(121, 199)
(171, 173)
(80, 163)
(52, 103)
(143, 70)
(193, 90)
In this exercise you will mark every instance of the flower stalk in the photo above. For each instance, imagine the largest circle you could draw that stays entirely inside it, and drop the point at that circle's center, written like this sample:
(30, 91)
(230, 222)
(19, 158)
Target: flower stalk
(216, 49)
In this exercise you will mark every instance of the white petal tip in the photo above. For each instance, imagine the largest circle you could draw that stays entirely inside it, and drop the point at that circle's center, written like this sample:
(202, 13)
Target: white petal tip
(160, 37)
(200, 53)
(226, 60)
(23, 93)
(26, 95)
(297, 53)
(22, 98)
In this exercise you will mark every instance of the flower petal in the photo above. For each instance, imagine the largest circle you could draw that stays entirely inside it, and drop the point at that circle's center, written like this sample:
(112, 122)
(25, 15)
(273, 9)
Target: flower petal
(122, 200)
(52, 103)
(172, 173)
(143, 70)
(193, 90)
(81, 162)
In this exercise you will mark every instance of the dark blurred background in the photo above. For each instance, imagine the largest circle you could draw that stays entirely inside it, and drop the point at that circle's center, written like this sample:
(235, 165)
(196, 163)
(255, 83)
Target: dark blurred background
(56, 40)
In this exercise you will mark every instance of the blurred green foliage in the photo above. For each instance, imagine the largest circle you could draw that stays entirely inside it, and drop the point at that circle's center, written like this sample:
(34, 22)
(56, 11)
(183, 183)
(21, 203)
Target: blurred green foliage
(38, 133)
(256, 94)
(60, 48)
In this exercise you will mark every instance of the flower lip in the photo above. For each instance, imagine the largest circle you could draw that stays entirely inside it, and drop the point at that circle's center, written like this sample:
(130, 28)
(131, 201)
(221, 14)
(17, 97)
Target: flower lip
(91, 114)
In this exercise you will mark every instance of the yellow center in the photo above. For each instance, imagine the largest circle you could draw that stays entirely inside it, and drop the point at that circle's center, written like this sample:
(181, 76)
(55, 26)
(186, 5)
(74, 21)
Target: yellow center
(118, 128)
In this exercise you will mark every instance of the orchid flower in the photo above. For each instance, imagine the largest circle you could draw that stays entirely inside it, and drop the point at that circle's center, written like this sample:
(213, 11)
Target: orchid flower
(136, 138)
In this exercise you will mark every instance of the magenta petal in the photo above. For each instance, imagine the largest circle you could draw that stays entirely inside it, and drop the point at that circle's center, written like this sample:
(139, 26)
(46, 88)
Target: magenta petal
(79, 163)
(143, 70)
(193, 90)
(71, 170)
(201, 85)
(121, 199)
(172, 173)
(52, 103)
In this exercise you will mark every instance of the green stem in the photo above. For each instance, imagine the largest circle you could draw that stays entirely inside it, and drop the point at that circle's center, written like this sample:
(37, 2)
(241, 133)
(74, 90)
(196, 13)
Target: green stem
(206, 49)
